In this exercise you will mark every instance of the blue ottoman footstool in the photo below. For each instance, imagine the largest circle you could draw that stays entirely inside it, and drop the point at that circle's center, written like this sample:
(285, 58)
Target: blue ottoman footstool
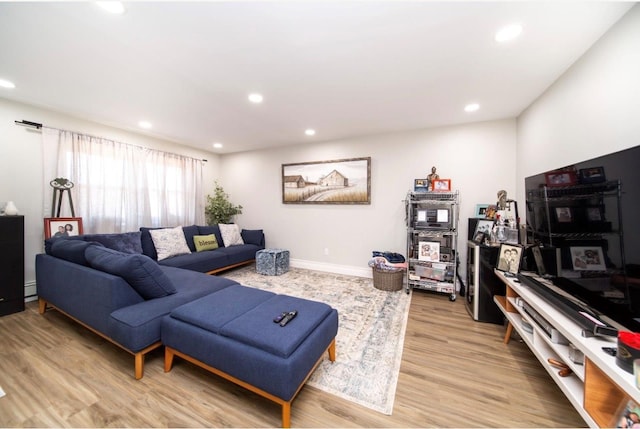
(232, 334)
(272, 262)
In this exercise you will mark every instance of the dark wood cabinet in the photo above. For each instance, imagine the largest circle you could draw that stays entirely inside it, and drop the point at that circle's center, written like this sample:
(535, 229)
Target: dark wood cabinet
(11, 264)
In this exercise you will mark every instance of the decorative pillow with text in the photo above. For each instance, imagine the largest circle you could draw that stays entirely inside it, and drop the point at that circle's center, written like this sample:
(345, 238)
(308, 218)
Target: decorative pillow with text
(205, 242)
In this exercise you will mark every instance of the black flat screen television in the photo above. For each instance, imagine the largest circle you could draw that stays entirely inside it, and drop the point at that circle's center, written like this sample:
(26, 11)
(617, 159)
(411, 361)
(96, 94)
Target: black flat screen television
(588, 215)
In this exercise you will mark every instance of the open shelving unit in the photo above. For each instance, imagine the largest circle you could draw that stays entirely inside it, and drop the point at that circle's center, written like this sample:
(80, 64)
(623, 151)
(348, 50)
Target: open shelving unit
(427, 226)
(597, 387)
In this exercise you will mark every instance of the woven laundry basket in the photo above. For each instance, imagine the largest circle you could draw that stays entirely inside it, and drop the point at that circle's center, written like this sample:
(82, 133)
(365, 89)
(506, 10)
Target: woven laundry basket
(387, 280)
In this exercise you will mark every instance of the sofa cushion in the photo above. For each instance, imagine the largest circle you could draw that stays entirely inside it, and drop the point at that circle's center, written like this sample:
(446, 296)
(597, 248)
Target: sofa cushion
(239, 254)
(49, 242)
(140, 271)
(230, 234)
(190, 232)
(253, 236)
(202, 262)
(126, 242)
(169, 242)
(211, 229)
(71, 250)
(205, 242)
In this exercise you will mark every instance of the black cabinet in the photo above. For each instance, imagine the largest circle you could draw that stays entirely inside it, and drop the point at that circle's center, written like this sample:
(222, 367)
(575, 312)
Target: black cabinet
(483, 284)
(11, 264)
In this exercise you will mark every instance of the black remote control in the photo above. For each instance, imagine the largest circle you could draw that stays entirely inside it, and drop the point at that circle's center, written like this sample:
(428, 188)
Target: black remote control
(610, 350)
(279, 317)
(288, 317)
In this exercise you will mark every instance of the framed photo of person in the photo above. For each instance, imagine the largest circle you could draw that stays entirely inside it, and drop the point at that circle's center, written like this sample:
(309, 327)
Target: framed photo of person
(483, 226)
(509, 258)
(442, 185)
(429, 251)
(62, 226)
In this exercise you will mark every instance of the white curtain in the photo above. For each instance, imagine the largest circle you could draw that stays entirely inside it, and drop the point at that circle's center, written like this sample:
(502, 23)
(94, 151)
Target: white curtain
(120, 187)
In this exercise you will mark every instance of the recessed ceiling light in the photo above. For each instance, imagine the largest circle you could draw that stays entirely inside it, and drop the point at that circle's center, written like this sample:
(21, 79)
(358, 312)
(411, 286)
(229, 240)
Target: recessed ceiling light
(217, 145)
(6, 84)
(507, 33)
(255, 98)
(471, 107)
(145, 124)
(115, 7)
(310, 132)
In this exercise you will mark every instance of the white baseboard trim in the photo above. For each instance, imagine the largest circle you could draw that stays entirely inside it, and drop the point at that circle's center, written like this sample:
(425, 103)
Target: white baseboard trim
(332, 268)
(30, 292)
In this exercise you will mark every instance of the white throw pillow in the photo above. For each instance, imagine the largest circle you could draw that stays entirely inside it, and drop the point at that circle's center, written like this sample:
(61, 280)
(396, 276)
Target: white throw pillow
(230, 234)
(169, 242)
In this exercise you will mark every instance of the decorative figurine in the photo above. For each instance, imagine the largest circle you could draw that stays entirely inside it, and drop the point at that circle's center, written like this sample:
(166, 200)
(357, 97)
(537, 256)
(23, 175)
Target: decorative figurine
(431, 177)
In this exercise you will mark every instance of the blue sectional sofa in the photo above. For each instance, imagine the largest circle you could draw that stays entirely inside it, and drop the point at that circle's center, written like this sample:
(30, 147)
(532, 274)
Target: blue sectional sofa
(114, 285)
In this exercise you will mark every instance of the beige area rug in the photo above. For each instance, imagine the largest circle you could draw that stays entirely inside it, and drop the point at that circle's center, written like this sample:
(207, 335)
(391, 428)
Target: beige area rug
(371, 330)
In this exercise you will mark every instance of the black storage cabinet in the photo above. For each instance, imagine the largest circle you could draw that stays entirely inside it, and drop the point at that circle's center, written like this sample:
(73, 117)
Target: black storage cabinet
(11, 264)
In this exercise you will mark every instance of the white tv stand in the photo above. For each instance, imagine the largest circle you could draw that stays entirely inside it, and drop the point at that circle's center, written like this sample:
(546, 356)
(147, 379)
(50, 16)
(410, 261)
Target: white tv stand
(598, 389)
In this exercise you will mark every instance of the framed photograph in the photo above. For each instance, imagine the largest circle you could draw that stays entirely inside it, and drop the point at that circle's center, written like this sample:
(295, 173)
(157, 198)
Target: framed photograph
(594, 214)
(481, 210)
(341, 181)
(420, 185)
(509, 258)
(563, 214)
(591, 175)
(62, 226)
(587, 258)
(484, 226)
(442, 185)
(561, 178)
(429, 251)
(479, 237)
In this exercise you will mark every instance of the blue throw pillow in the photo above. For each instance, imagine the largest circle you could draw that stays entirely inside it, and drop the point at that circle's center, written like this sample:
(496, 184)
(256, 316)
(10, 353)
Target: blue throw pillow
(189, 233)
(140, 271)
(71, 250)
(253, 236)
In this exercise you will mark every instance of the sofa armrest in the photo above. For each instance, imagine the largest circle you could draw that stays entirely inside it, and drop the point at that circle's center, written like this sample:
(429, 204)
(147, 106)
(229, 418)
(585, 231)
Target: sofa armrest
(86, 294)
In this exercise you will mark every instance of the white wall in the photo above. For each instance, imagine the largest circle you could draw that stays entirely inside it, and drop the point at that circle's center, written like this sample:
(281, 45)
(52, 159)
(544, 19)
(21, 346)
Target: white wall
(590, 111)
(477, 157)
(21, 166)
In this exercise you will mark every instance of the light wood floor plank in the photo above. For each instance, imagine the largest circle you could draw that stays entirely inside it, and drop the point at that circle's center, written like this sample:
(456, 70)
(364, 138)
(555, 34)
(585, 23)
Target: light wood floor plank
(455, 373)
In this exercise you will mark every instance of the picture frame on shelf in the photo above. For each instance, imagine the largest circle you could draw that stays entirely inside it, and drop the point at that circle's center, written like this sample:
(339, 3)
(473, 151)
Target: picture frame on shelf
(491, 212)
(561, 178)
(420, 185)
(479, 237)
(429, 251)
(587, 258)
(484, 226)
(594, 214)
(441, 185)
(62, 226)
(563, 214)
(591, 175)
(509, 258)
(481, 210)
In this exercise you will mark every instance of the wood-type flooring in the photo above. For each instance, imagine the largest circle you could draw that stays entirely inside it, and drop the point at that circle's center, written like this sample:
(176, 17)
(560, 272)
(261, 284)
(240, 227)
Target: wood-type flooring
(455, 373)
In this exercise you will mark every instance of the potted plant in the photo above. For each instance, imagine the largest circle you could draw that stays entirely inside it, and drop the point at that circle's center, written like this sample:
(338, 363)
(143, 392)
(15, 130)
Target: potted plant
(219, 209)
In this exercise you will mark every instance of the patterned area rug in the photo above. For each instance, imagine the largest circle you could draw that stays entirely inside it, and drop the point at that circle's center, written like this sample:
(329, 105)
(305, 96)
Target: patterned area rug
(370, 337)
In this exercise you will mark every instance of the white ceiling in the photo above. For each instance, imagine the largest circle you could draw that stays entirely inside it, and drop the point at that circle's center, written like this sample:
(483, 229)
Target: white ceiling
(344, 68)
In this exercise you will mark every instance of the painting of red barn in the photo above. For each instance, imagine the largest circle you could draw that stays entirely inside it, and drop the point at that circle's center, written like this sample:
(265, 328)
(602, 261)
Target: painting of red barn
(342, 181)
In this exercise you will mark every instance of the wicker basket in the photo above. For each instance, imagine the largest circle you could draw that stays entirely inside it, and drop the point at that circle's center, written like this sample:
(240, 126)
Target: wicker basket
(387, 280)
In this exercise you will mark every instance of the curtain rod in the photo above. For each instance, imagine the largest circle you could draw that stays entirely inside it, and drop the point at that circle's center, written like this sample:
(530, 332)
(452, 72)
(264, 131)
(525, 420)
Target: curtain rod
(38, 126)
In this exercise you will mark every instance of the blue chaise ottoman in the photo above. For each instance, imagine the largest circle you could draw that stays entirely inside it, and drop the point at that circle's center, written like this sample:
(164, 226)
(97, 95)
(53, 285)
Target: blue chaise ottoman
(232, 334)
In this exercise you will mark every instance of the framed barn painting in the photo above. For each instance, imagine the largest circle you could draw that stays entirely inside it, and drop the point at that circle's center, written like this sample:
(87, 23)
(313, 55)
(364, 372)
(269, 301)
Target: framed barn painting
(341, 181)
